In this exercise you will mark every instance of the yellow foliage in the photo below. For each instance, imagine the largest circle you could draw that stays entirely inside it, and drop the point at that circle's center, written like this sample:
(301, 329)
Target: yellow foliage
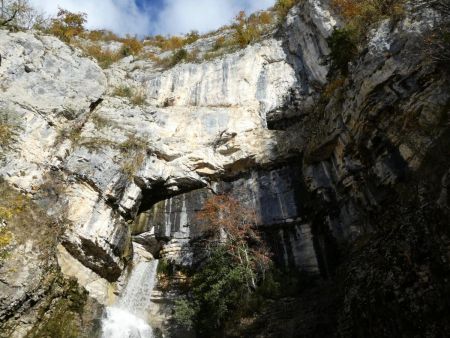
(105, 58)
(170, 43)
(360, 14)
(265, 18)
(12, 206)
(6, 238)
(173, 42)
(5, 134)
(220, 42)
(191, 37)
(68, 25)
(100, 35)
(282, 7)
(250, 29)
(5, 213)
(131, 46)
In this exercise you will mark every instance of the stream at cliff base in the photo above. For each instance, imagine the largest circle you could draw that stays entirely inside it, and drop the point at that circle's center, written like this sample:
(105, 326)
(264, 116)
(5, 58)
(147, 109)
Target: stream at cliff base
(126, 318)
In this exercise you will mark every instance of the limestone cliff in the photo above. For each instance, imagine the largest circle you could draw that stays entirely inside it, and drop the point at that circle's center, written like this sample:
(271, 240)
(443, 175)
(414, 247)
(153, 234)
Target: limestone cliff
(351, 188)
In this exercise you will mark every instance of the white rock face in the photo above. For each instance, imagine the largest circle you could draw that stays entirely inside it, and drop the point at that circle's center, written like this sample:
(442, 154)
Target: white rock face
(307, 27)
(43, 74)
(93, 283)
(258, 75)
(45, 84)
(200, 123)
(95, 232)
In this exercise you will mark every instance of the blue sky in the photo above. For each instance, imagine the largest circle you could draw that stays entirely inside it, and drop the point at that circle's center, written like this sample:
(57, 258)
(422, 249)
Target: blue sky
(143, 17)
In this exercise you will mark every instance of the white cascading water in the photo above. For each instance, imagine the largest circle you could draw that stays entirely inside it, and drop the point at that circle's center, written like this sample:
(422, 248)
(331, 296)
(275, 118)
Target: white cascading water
(126, 319)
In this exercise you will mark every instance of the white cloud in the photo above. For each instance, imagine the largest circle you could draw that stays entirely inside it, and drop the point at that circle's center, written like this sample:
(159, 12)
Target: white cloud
(175, 16)
(181, 16)
(120, 16)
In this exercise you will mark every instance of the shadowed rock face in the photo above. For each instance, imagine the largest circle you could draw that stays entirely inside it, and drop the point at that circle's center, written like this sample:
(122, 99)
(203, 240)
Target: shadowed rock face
(272, 194)
(353, 188)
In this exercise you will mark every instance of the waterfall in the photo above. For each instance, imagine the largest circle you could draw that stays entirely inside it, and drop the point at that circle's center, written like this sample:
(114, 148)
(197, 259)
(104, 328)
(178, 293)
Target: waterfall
(126, 318)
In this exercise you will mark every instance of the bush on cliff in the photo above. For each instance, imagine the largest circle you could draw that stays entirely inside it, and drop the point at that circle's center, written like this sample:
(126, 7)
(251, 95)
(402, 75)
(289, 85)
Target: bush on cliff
(68, 25)
(11, 204)
(360, 15)
(105, 58)
(343, 49)
(131, 46)
(250, 29)
(282, 7)
(236, 262)
(6, 238)
(6, 134)
(172, 42)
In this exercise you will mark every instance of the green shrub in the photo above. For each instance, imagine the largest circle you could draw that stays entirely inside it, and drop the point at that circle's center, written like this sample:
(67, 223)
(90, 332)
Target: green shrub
(130, 46)
(12, 204)
(176, 58)
(179, 56)
(165, 267)
(9, 127)
(100, 122)
(136, 97)
(170, 43)
(221, 289)
(244, 33)
(218, 290)
(343, 49)
(64, 317)
(72, 134)
(184, 313)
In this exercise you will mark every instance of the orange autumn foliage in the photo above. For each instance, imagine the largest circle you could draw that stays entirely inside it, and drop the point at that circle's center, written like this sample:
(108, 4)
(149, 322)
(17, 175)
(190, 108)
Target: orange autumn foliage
(232, 224)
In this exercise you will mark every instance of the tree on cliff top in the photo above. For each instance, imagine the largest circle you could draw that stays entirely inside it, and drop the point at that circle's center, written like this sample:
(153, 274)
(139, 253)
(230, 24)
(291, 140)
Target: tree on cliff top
(20, 14)
(68, 25)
